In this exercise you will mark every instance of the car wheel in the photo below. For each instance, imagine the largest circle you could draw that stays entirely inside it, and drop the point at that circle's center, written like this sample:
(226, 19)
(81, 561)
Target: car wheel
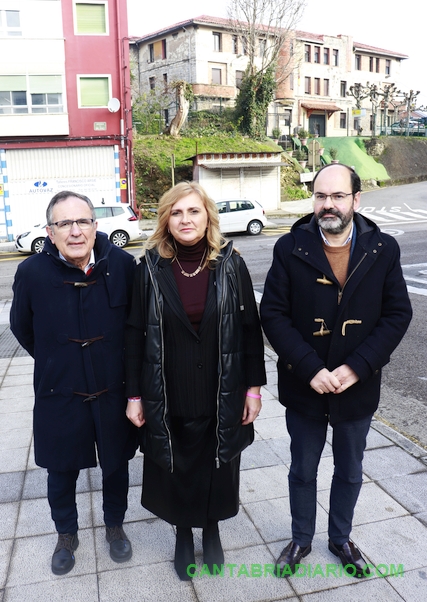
(119, 238)
(37, 246)
(254, 227)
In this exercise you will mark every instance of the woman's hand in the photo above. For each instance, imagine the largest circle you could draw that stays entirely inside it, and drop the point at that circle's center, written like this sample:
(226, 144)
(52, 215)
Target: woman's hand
(252, 406)
(135, 412)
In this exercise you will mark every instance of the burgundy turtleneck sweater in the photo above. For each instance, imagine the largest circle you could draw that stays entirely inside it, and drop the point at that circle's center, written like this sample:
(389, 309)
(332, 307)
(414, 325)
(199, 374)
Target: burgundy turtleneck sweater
(193, 291)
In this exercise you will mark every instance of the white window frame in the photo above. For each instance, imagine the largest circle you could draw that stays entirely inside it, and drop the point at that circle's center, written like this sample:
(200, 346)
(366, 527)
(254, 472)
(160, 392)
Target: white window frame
(80, 76)
(5, 30)
(107, 25)
(29, 91)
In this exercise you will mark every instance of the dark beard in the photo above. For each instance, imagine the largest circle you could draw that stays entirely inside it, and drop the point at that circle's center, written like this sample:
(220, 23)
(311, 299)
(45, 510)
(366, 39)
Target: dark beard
(335, 226)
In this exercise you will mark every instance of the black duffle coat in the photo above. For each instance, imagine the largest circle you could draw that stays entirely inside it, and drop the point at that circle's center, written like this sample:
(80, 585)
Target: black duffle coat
(312, 322)
(73, 326)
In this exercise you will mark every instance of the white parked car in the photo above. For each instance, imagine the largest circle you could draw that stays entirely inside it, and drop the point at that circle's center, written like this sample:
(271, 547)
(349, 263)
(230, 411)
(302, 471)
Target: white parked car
(241, 215)
(118, 220)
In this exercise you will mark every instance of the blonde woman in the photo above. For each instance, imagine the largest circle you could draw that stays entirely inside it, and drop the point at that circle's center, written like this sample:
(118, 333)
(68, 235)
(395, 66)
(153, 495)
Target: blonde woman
(195, 365)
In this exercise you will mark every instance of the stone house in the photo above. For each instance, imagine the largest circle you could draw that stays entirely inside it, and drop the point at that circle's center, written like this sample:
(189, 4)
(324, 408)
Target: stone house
(319, 70)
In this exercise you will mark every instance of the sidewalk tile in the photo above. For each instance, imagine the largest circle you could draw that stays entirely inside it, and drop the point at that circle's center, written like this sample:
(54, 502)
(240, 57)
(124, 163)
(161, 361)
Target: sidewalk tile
(379, 464)
(31, 559)
(71, 587)
(263, 483)
(409, 490)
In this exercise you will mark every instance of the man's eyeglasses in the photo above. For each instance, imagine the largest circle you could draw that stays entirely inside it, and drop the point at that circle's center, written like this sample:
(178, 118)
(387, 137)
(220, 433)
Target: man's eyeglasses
(336, 197)
(66, 224)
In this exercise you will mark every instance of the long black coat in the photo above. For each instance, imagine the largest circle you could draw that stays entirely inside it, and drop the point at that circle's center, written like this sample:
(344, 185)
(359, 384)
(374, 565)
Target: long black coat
(73, 326)
(367, 317)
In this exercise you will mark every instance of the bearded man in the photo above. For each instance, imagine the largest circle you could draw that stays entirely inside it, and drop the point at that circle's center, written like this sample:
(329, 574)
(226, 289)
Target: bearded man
(335, 306)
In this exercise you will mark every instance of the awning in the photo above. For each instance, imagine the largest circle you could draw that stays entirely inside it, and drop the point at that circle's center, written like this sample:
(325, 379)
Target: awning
(328, 107)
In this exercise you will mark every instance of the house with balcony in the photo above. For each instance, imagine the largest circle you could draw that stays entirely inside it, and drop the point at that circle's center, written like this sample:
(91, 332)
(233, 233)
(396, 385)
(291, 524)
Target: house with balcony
(315, 72)
(65, 106)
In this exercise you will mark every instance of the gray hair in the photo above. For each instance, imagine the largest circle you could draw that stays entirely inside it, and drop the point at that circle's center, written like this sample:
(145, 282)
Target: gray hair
(63, 196)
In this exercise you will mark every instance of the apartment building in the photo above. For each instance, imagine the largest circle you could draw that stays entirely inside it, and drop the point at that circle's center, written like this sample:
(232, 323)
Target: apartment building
(65, 106)
(319, 70)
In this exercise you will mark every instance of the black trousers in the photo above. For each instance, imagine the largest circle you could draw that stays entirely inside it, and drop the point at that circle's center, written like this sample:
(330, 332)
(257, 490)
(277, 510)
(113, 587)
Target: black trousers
(61, 494)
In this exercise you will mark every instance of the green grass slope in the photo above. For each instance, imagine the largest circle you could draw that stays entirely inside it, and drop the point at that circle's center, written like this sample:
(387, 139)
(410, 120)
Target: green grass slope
(350, 153)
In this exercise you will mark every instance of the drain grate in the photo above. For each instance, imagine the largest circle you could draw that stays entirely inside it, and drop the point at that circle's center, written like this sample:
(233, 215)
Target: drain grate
(9, 346)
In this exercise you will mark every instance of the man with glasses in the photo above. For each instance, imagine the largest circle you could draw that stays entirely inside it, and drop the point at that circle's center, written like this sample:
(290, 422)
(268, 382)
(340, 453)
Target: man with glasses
(335, 306)
(69, 310)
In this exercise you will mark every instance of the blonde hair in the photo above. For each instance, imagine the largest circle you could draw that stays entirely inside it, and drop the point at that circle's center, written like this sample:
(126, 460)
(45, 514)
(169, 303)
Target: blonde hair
(162, 239)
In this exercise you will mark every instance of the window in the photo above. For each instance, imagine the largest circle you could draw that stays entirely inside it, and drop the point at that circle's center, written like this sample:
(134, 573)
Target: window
(152, 83)
(317, 85)
(358, 62)
(335, 58)
(165, 80)
(10, 23)
(157, 51)
(216, 76)
(317, 54)
(235, 44)
(94, 91)
(239, 77)
(13, 102)
(326, 56)
(371, 63)
(91, 19)
(343, 120)
(217, 46)
(46, 103)
(262, 46)
(387, 67)
(343, 89)
(325, 87)
(377, 65)
(307, 53)
(30, 94)
(244, 45)
(307, 85)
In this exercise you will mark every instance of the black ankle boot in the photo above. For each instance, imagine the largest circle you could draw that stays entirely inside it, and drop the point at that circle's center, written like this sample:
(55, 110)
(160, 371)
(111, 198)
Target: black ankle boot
(184, 552)
(212, 549)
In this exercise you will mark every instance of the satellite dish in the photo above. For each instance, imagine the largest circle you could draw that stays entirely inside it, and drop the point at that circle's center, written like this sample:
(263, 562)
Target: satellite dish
(113, 105)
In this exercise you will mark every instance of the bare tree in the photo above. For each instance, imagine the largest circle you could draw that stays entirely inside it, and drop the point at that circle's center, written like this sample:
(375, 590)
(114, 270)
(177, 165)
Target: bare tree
(265, 29)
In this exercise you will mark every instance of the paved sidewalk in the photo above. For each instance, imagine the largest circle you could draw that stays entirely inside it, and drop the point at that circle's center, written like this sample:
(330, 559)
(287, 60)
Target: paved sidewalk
(390, 523)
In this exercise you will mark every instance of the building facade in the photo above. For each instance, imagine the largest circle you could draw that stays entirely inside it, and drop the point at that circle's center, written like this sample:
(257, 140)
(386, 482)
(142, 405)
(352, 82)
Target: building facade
(315, 72)
(65, 106)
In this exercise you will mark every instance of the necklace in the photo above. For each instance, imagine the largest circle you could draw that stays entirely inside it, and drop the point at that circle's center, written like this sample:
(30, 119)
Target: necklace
(197, 271)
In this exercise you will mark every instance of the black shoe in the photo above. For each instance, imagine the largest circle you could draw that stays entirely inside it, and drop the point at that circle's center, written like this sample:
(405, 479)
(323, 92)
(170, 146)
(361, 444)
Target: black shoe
(351, 559)
(120, 548)
(184, 553)
(213, 554)
(63, 557)
(290, 556)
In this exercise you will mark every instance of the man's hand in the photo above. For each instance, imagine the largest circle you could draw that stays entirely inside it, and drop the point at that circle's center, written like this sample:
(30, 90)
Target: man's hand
(135, 412)
(346, 376)
(325, 382)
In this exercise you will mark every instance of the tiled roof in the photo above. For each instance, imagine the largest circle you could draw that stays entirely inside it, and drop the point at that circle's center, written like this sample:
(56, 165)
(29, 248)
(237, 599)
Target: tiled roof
(374, 49)
(224, 22)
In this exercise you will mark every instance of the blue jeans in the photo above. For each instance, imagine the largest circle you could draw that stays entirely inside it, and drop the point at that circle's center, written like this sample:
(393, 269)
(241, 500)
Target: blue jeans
(308, 438)
(61, 493)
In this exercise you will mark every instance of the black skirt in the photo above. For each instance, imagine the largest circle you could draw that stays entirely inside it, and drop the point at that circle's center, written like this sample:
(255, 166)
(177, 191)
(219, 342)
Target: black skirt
(196, 491)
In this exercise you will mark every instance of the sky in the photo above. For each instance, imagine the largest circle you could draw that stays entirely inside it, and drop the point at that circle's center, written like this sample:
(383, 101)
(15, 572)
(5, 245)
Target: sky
(379, 23)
